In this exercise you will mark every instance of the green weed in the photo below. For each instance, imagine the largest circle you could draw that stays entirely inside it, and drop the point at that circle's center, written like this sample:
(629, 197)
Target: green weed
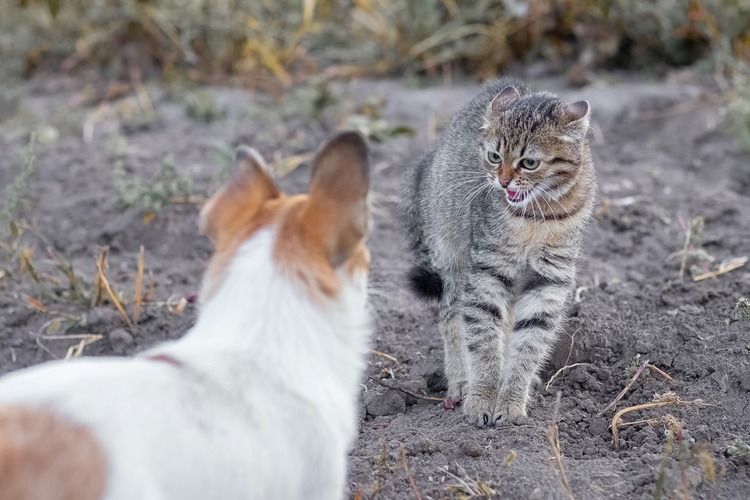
(152, 195)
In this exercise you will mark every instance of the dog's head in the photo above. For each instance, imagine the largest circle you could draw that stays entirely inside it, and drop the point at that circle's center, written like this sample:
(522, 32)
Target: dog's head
(319, 237)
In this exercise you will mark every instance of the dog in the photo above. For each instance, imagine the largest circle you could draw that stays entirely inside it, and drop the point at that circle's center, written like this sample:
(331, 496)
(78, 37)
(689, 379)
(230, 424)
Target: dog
(258, 399)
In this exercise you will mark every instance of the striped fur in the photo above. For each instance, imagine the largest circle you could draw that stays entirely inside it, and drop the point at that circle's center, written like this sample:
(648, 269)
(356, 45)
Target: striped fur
(496, 215)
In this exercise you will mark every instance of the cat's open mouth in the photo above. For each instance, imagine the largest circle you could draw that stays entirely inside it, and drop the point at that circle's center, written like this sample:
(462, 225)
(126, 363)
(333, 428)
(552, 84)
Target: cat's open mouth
(516, 196)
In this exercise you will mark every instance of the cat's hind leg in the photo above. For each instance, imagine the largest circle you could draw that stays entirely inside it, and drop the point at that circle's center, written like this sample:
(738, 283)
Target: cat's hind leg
(455, 355)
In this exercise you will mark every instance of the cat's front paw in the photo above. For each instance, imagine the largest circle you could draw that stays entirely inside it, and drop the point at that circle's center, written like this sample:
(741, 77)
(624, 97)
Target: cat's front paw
(509, 410)
(479, 407)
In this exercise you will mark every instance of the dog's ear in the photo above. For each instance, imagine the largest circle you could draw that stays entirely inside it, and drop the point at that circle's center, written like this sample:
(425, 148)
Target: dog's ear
(337, 209)
(234, 205)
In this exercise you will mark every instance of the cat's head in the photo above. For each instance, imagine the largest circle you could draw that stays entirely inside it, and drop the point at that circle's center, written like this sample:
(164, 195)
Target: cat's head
(316, 240)
(534, 145)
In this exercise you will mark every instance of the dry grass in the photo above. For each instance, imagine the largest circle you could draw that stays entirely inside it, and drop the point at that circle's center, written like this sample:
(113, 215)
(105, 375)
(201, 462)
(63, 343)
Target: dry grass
(467, 488)
(138, 294)
(637, 374)
(409, 477)
(553, 438)
(263, 43)
(660, 400)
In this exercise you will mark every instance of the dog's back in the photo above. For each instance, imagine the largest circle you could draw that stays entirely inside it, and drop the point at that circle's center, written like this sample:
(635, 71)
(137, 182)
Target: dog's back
(258, 400)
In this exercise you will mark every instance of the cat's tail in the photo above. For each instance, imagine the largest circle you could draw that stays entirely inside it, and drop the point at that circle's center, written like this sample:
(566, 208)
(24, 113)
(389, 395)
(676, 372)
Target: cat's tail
(425, 282)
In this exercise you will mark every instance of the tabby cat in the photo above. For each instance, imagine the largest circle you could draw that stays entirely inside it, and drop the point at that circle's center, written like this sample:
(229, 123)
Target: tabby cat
(496, 215)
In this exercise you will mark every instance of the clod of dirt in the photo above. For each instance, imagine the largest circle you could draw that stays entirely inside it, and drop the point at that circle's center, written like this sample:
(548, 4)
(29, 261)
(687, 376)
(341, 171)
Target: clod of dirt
(102, 316)
(599, 426)
(119, 339)
(470, 448)
(415, 386)
(382, 401)
(421, 445)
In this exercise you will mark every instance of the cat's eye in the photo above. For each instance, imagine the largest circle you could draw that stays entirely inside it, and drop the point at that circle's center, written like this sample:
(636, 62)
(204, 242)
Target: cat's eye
(493, 157)
(530, 163)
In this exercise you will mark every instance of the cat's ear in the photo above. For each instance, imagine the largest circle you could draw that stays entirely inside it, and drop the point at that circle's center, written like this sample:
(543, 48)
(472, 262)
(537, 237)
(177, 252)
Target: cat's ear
(337, 208)
(577, 117)
(578, 112)
(238, 200)
(502, 99)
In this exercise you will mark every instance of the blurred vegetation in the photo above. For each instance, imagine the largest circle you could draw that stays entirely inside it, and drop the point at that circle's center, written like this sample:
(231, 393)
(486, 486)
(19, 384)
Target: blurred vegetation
(267, 42)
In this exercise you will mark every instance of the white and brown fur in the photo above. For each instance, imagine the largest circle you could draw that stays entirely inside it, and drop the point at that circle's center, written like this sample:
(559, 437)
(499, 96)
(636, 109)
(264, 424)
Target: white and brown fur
(258, 400)
(496, 243)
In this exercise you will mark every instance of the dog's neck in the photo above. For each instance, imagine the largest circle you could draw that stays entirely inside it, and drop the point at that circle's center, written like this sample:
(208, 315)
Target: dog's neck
(260, 317)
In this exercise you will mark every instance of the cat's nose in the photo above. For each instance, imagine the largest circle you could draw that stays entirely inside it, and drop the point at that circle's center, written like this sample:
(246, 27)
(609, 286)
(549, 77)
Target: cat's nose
(505, 181)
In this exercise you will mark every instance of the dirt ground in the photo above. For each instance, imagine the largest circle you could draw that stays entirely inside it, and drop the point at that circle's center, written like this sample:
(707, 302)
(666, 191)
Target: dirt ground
(662, 160)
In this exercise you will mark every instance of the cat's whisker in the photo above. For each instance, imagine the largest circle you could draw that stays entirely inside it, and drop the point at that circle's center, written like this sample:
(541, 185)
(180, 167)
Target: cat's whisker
(544, 197)
(473, 194)
(541, 212)
(548, 195)
(461, 182)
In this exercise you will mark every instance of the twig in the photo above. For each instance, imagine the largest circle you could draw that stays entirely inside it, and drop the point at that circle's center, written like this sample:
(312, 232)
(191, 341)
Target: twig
(660, 372)
(731, 266)
(625, 389)
(558, 372)
(408, 474)
(400, 389)
(638, 373)
(386, 356)
(553, 438)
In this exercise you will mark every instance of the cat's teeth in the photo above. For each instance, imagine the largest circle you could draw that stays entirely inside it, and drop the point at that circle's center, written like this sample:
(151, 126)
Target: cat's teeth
(516, 196)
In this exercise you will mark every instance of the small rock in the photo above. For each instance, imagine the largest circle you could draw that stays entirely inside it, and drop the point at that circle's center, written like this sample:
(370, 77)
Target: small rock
(415, 386)
(382, 401)
(635, 276)
(691, 309)
(421, 445)
(470, 448)
(599, 427)
(119, 339)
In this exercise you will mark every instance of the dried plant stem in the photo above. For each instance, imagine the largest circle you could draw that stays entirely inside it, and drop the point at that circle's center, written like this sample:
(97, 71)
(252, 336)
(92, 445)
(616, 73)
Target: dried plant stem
(112, 295)
(138, 295)
(558, 372)
(736, 264)
(618, 416)
(637, 374)
(101, 263)
(553, 438)
(384, 355)
(684, 257)
(401, 389)
(76, 350)
(408, 474)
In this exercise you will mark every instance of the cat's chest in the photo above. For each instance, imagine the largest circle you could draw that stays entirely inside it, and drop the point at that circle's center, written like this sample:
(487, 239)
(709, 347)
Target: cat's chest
(529, 236)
